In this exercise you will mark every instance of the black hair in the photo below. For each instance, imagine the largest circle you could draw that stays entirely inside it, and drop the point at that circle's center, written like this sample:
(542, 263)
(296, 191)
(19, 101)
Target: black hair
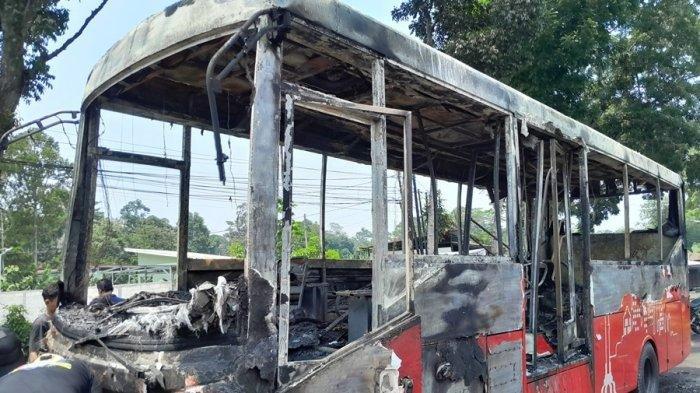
(105, 285)
(53, 291)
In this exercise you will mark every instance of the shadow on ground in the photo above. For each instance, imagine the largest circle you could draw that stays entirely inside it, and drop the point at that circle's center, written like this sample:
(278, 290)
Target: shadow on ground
(686, 377)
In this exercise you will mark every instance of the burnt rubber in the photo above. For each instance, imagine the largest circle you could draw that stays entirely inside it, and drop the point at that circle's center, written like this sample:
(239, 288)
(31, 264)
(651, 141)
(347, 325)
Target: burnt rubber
(146, 344)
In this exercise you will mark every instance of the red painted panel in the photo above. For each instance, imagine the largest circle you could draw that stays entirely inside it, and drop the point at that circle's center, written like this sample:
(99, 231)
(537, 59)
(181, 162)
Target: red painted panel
(575, 379)
(498, 339)
(407, 347)
(620, 337)
(675, 319)
(686, 326)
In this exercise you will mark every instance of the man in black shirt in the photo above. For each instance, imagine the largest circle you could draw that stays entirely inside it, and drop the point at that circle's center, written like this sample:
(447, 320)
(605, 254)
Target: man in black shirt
(50, 373)
(52, 295)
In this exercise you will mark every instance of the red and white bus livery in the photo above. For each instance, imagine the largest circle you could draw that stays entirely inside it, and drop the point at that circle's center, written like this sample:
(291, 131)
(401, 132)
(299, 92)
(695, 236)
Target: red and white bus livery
(554, 302)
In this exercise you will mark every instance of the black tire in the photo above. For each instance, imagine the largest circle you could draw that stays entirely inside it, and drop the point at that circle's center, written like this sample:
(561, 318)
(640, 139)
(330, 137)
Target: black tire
(648, 371)
(695, 323)
(146, 344)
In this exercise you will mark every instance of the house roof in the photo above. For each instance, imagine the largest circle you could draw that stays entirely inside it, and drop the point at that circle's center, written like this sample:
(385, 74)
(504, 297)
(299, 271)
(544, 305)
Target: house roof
(173, 254)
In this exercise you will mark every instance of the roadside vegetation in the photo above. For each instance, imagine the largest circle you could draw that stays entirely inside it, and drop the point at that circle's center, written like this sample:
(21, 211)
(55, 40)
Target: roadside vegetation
(628, 68)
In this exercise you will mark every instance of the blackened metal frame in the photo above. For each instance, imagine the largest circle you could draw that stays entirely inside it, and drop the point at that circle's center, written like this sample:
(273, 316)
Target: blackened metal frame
(373, 116)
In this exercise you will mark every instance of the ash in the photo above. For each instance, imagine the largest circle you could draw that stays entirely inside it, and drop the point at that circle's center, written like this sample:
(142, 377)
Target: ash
(205, 308)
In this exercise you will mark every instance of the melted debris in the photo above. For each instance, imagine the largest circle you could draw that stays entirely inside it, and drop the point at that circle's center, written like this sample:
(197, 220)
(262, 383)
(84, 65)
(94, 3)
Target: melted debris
(206, 310)
(312, 339)
(166, 315)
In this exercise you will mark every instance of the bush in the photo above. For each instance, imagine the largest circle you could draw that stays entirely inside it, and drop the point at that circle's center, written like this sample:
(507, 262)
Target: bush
(16, 321)
(16, 278)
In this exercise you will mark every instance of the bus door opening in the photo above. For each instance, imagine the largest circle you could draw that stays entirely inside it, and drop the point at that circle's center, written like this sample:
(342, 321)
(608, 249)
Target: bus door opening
(554, 312)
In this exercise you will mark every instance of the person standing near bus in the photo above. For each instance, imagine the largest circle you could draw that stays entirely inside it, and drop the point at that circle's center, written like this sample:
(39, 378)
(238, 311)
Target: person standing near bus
(105, 296)
(52, 294)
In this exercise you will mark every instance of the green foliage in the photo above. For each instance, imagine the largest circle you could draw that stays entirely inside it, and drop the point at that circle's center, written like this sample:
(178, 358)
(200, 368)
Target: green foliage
(16, 321)
(27, 29)
(35, 183)
(22, 278)
(237, 249)
(629, 68)
(200, 239)
(692, 220)
(445, 220)
(305, 238)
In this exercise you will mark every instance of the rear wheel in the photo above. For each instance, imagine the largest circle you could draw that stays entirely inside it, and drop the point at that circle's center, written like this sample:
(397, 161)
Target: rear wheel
(695, 322)
(648, 371)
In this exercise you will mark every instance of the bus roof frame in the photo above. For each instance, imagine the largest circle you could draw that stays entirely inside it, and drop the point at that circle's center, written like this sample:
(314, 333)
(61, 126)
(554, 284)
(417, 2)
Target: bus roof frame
(187, 24)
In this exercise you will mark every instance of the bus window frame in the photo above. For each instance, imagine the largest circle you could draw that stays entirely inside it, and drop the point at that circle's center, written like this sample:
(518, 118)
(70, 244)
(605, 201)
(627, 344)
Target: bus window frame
(370, 115)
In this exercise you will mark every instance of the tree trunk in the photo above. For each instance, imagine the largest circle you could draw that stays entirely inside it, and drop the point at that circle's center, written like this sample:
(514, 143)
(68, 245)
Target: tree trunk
(428, 24)
(14, 26)
(36, 233)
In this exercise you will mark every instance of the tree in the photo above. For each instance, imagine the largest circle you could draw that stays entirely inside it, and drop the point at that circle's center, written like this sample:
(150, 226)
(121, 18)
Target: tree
(337, 239)
(363, 238)
(107, 242)
(35, 181)
(445, 222)
(692, 219)
(142, 230)
(26, 30)
(200, 239)
(236, 232)
(629, 68)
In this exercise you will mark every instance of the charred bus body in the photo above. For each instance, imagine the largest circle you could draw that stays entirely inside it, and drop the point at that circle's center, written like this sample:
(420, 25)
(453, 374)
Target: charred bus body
(550, 310)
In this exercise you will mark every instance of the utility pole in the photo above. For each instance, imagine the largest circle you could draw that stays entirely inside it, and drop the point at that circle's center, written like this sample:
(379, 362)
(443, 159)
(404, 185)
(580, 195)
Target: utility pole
(3, 250)
(2, 231)
(306, 238)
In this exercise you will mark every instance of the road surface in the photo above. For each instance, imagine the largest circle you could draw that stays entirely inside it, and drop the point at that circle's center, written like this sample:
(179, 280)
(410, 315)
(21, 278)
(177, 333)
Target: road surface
(686, 377)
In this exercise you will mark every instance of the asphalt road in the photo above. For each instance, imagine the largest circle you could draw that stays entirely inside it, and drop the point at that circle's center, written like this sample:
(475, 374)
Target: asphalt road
(686, 377)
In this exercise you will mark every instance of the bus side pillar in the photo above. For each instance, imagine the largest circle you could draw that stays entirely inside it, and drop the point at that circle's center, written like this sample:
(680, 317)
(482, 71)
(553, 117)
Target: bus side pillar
(75, 273)
(260, 268)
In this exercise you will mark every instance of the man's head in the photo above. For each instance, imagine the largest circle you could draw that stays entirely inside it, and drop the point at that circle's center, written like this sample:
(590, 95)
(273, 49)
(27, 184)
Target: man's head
(52, 295)
(104, 286)
(10, 351)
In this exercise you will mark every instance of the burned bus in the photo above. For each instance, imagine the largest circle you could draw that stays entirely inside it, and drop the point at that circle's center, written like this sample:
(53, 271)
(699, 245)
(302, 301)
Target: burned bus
(555, 306)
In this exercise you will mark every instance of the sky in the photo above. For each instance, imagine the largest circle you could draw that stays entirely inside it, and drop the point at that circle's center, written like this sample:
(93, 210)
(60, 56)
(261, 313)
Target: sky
(348, 186)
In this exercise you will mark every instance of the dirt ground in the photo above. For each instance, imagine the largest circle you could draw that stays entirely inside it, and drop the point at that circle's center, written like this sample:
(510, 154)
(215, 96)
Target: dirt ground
(686, 377)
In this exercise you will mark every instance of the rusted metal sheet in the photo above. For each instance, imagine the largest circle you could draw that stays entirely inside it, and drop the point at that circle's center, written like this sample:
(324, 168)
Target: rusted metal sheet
(358, 367)
(354, 373)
